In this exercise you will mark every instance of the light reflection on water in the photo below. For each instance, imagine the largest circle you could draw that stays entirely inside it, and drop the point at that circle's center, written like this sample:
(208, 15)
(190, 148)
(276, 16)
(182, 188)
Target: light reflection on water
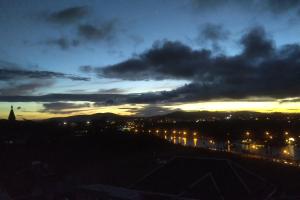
(195, 140)
(285, 152)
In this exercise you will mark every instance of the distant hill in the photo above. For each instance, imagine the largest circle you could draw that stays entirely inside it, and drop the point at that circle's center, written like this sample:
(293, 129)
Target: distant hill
(183, 116)
(97, 116)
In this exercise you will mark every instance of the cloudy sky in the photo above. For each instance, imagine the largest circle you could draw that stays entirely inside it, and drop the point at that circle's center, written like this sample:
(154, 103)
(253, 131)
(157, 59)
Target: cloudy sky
(139, 57)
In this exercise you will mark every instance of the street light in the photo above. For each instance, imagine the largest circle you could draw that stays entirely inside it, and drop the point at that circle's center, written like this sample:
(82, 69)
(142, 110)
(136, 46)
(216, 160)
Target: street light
(247, 133)
(290, 140)
(285, 152)
(267, 133)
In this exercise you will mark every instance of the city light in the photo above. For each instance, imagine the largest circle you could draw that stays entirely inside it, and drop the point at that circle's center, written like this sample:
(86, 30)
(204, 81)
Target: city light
(195, 141)
(267, 133)
(286, 152)
(184, 141)
(186, 99)
(290, 140)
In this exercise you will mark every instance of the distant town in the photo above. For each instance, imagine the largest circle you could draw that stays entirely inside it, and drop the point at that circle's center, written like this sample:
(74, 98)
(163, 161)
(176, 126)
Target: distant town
(272, 136)
(269, 139)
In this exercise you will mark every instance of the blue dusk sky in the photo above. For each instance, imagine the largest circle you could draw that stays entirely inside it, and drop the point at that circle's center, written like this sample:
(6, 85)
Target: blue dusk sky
(138, 57)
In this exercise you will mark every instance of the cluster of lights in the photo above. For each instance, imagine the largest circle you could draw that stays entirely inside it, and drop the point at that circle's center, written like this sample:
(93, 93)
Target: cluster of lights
(157, 131)
(286, 152)
(182, 139)
(290, 140)
(268, 135)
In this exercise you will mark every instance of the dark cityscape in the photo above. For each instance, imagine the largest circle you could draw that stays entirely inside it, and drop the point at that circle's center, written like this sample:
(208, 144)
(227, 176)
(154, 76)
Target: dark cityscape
(138, 99)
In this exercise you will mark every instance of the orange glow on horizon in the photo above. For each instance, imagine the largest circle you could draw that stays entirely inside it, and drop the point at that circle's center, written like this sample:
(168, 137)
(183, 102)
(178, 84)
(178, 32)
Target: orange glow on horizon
(34, 111)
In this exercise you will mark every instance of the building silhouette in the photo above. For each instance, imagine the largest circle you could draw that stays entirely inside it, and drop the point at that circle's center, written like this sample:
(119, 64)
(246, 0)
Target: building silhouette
(11, 116)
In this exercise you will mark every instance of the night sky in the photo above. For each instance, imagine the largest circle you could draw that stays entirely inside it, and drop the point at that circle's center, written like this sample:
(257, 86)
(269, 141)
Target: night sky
(138, 57)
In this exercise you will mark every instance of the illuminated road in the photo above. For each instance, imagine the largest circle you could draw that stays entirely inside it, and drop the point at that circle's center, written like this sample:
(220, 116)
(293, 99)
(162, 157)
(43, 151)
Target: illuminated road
(285, 155)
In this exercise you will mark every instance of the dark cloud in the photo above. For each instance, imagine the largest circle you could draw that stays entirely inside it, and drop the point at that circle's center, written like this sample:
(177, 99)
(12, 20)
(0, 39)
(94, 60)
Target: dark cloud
(213, 32)
(260, 70)
(66, 97)
(257, 44)
(165, 60)
(279, 6)
(151, 110)
(10, 71)
(111, 91)
(273, 6)
(68, 15)
(57, 106)
(63, 43)
(15, 88)
(16, 80)
(86, 31)
(65, 107)
(105, 31)
(108, 102)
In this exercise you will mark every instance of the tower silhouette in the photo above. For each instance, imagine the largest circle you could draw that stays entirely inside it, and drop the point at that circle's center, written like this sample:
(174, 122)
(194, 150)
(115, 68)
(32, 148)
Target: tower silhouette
(12, 116)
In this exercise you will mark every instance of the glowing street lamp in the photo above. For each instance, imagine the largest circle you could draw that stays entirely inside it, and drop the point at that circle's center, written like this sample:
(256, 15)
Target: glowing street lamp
(267, 133)
(286, 133)
(286, 152)
(290, 140)
(271, 137)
